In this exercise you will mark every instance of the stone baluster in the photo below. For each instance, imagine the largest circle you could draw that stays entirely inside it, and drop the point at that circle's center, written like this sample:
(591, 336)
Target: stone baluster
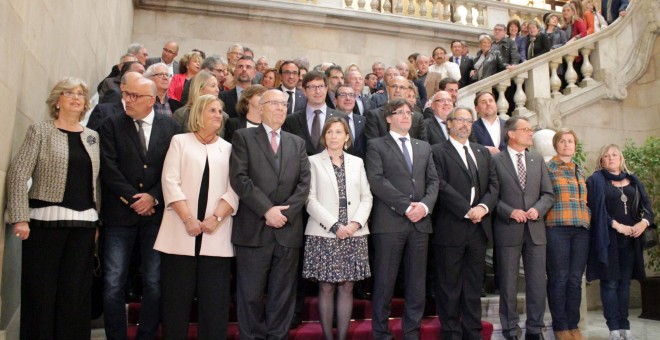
(520, 98)
(398, 7)
(361, 4)
(480, 16)
(457, 17)
(502, 104)
(434, 9)
(411, 8)
(570, 75)
(422, 8)
(555, 82)
(374, 5)
(447, 10)
(387, 6)
(587, 69)
(348, 3)
(468, 16)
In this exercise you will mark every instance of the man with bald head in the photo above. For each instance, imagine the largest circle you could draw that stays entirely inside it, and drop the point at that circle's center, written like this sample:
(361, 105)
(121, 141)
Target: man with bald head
(133, 148)
(377, 125)
(381, 98)
(269, 171)
(167, 57)
(436, 126)
(114, 107)
(362, 103)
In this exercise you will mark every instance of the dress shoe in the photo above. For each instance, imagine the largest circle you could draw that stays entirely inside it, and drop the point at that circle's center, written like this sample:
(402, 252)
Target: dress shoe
(295, 322)
(538, 336)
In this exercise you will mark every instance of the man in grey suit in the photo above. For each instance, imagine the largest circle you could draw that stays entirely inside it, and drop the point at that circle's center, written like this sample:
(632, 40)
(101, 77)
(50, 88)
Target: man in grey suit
(526, 195)
(404, 183)
(269, 171)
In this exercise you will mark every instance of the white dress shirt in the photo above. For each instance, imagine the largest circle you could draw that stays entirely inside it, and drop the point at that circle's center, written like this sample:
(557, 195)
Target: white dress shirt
(147, 124)
(494, 130)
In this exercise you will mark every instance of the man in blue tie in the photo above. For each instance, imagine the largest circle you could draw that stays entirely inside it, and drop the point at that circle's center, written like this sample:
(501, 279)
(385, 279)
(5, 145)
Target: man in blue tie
(465, 64)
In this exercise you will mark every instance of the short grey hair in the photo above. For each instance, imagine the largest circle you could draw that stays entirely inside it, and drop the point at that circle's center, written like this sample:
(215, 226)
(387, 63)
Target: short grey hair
(134, 48)
(151, 70)
(210, 62)
(235, 45)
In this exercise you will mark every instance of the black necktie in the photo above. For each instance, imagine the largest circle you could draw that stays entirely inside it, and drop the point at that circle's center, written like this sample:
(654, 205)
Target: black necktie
(289, 103)
(316, 129)
(472, 167)
(143, 140)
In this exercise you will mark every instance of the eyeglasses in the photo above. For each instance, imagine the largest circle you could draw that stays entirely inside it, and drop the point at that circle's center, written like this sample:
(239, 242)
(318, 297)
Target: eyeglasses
(219, 70)
(235, 53)
(346, 95)
(402, 112)
(527, 130)
(71, 94)
(397, 87)
(443, 100)
(461, 120)
(290, 73)
(167, 50)
(315, 87)
(161, 75)
(133, 96)
(277, 103)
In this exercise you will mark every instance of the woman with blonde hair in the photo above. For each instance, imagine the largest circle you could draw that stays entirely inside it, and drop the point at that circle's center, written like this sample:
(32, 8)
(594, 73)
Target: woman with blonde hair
(203, 83)
(189, 65)
(56, 218)
(620, 212)
(595, 21)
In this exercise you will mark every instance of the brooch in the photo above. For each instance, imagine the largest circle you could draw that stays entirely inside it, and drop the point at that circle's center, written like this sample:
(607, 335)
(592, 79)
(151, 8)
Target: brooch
(91, 140)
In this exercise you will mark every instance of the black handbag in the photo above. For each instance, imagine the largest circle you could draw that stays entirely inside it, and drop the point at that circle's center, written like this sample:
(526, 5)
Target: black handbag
(650, 234)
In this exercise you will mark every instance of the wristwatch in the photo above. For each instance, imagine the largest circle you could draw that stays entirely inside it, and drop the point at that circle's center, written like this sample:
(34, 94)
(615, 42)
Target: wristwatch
(218, 218)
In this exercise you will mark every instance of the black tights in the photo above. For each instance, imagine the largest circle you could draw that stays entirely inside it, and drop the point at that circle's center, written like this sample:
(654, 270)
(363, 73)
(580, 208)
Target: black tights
(344, 307)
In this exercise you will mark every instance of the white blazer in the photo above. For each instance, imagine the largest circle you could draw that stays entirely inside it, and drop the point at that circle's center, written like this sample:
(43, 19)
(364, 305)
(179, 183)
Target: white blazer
(181, 179)
(323, 200)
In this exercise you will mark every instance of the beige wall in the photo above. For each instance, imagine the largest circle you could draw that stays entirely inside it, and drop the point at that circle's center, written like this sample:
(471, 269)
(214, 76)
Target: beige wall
(41, 42)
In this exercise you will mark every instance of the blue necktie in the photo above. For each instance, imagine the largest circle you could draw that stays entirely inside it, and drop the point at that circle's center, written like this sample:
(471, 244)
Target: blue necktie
(406, 154)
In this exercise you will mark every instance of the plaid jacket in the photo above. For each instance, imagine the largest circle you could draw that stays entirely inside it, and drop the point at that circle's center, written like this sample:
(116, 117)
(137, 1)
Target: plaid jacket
(569, 185)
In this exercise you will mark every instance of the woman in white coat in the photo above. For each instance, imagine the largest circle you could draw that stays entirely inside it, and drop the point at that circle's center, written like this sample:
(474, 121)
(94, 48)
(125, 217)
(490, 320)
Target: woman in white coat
(195, 234)
(339, 204)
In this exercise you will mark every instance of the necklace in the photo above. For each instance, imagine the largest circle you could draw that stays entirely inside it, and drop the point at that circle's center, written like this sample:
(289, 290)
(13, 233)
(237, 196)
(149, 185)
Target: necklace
(624, 199)
(203, 140)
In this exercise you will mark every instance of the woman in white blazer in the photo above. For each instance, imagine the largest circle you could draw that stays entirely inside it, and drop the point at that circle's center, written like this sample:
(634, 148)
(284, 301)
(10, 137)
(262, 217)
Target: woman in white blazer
(339, 204)
(195, 234)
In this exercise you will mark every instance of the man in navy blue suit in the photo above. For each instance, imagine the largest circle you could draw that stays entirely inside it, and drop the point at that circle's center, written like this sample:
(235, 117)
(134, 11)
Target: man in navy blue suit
(346, 101)
(488, 128)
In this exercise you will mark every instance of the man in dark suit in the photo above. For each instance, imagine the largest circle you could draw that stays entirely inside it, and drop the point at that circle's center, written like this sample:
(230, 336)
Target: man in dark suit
(269, 171)
(461, 229)
(404, 183)
(436, 126)
(289, 75)
(525, 196)
(243, 74)
(356, 81)
(170, 51)
(614, 9)
(381, 98)
(335, 77)
(377, 125)
(465, 64)
(116, 107)
(133, 149)
(488, 129)
(346, 99)
(308, 122)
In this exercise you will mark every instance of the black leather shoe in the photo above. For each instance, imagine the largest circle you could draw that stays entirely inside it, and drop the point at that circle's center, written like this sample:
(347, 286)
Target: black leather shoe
(534, 337)
(295, 322)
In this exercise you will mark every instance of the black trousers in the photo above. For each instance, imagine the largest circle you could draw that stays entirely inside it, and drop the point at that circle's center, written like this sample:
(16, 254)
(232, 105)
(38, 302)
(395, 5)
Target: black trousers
(183, 276)
(56, 283)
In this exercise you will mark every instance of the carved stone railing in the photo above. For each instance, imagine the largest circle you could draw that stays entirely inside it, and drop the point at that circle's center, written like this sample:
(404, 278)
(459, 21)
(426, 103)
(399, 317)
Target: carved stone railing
(612, 59)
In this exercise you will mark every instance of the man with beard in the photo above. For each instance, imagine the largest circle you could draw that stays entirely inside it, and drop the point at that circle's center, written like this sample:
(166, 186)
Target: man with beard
(243, 73)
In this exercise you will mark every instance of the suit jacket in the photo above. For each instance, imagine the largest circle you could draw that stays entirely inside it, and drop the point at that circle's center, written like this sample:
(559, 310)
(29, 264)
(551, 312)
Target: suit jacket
(182, 174)
(300, 100)
(394, 187)
(297, 125)
(103, 111)
(379, 99)
(260, 185)
(323, 200)
(508, 50)
(538, 193)
(230, 98)
(434, 131)
(125, 171)
(359, 145)
(156, 60)
(234, 124)
(450, 226)
(467, 64)
(482, 136)
(377, 125)
(328, 101)
(366, 104)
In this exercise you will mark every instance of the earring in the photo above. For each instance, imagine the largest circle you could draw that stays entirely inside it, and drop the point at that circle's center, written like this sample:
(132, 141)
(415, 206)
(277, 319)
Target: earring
(345, 145)
(57, 107)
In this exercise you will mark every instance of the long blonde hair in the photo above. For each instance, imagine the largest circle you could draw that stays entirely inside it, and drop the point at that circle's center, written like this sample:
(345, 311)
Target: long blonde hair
(604, 150)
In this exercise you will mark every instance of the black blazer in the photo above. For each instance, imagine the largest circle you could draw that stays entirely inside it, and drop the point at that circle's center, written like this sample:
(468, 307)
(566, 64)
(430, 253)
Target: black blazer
(467, 64)
(300, 102)
(434, 131)
(366, 104)
(156, 60)
(394, 187)
(125, 171)
(378, 100)
(230, 98)
(359, 145)
(377, 125)
(297, 125)
(234, 124)
(260, 184)
(482, 136)
(492, 65)
(541, 45)
(102, 111)
(450, 226)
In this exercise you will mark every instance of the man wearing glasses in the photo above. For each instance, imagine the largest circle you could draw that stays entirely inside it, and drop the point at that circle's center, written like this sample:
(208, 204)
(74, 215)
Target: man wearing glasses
(159, 74)
(289, 74)
(170, 51)
(461, 229)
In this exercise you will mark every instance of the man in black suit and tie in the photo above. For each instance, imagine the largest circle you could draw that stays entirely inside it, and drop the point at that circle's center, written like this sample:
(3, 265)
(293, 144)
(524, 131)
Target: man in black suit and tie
(356, 81)
(243, 74)
(436, 126)
(377, 125)
(525, 196)
(461, 229)
(116, 107)
(269, 171)
(308, 122)
(465, 64)
(488, 129)
(170, 51)
(133, 149)
(404, 183)
(335, 77)
(346, 99)
(289, 75)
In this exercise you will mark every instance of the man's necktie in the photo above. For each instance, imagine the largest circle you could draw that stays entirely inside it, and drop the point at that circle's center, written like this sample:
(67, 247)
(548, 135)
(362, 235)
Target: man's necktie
(522, 174)
(143, 140)
(458, 61)
(472, 167)
(289, 103)
(316, 129)
(273, 141)
(406, 154)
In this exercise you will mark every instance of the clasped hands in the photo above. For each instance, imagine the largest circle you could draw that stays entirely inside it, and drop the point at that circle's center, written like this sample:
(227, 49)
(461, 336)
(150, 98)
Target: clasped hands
(475, 214)
(347, 230)
(144, 206)
(631, 231)
(416, 212)
(521, 216)
(195, 227)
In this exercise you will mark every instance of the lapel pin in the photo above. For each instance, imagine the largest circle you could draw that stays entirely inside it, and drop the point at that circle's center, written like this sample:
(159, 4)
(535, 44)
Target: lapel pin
(91, 140)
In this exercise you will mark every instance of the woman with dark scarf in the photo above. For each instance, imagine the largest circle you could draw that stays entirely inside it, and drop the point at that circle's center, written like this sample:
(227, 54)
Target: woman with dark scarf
(620, 212)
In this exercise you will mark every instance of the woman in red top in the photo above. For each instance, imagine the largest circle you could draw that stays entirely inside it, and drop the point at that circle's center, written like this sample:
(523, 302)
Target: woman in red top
(189, 65)
(574, 26)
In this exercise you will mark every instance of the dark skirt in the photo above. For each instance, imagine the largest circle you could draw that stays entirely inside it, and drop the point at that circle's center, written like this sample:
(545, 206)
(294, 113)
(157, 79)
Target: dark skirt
(333, 260)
